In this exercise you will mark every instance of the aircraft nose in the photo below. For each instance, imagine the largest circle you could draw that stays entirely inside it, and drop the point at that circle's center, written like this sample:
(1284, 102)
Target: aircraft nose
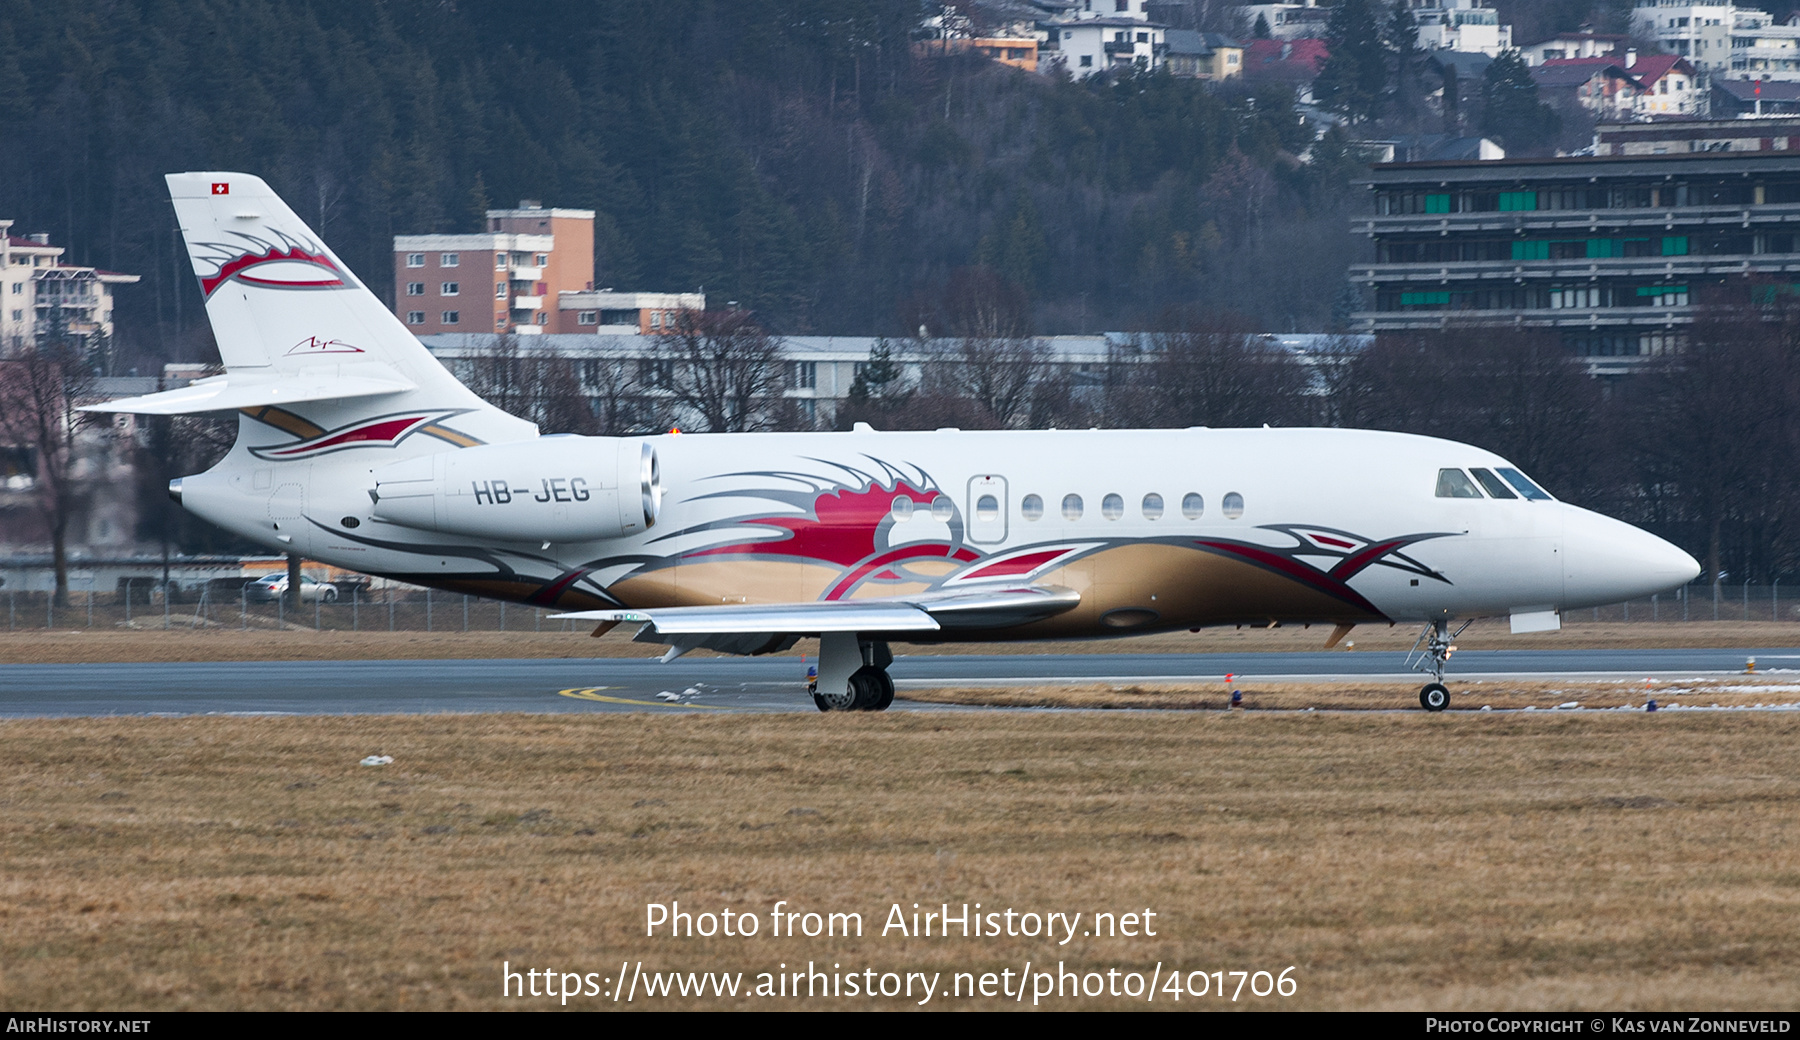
(1609, 561)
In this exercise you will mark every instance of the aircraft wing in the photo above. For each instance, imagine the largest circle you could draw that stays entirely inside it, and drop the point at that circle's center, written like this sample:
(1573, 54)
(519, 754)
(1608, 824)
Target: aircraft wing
(758, 628)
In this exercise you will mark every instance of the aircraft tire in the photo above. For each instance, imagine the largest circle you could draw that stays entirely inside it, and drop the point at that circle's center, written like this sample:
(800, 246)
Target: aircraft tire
(887, 690)
(853, 698)
(1434, 697)
(868, 687)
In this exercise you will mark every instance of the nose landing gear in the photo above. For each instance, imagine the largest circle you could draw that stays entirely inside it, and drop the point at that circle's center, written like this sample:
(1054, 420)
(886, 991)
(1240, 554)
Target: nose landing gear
(1430, 652)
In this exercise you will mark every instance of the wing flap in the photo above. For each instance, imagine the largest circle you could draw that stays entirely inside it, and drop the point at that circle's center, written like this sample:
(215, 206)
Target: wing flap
(728, 627)
(834, 616)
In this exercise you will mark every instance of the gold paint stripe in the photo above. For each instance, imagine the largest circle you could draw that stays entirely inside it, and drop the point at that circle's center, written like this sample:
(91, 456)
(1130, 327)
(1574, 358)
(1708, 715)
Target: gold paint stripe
(284, 420)
(444, 433)
(589, 694)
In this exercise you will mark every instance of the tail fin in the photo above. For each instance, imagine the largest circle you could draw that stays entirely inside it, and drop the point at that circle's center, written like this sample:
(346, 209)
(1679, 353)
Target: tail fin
(293, 324)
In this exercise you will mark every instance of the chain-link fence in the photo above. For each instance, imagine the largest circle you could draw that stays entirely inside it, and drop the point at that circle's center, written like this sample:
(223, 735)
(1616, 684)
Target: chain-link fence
(219, 605)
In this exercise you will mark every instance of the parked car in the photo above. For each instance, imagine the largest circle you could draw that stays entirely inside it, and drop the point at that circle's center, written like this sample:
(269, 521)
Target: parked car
(275, 586)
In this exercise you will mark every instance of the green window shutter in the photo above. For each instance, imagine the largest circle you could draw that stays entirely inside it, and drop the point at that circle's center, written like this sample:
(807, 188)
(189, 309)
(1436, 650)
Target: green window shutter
(1531, 250)
(1675, 246)
(1437, 203)
(1605, 247)
(1417, 299)
(1517, 201)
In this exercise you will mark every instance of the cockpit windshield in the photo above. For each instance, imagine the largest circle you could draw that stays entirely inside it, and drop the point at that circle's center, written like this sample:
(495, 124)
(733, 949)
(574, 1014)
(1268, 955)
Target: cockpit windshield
(1454, 483)
(1495, 486)
(1525, 486)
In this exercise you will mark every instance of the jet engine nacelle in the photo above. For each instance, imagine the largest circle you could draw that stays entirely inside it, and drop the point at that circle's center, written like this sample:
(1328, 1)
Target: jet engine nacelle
(554, 489)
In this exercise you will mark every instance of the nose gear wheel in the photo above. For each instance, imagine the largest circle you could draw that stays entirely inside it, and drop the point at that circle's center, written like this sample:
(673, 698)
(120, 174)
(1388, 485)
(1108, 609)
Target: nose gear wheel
(1430, 652)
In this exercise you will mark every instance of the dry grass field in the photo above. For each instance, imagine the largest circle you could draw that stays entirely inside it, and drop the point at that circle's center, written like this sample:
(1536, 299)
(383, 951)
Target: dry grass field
(1355, 695)
(1401, 861)
(299, 643)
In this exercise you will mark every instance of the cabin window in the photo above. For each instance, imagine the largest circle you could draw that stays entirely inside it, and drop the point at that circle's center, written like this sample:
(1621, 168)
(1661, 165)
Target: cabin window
(1192, 506)
(1454, 483)
(1525, 486)
(942, 508)
(1153, 506)
(902, 508)
(987, 509)
(1112, 507)
(1071, 507)
(1232, 506)
(1495, 486)
(1031, 507)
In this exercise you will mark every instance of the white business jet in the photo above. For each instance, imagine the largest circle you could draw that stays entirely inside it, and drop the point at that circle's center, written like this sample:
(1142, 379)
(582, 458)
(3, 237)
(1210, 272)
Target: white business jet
(357, 448)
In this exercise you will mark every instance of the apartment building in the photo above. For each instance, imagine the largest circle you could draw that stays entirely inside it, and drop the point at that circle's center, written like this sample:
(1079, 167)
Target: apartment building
(1613, 253)
(1698, 30)
(608, 313)
(1678, 137)
(38, 292)
(1460, 25)
(506, 279)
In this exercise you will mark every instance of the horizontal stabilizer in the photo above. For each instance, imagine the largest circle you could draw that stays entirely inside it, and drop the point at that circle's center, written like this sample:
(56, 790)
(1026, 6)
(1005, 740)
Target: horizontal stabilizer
(255, 390)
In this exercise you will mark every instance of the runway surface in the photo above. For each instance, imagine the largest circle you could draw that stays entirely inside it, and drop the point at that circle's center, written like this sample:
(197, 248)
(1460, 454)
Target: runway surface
(736, 684)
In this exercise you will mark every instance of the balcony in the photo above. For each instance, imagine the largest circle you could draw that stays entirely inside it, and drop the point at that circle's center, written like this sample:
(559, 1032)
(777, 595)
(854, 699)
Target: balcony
(1117, 48)
(527, 274)
(528, 303)
(1520, 272)
(1598, 222)
(1639, 319)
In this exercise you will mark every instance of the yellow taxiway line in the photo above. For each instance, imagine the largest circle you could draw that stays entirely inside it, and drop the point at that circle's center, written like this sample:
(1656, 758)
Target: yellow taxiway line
(592, 693)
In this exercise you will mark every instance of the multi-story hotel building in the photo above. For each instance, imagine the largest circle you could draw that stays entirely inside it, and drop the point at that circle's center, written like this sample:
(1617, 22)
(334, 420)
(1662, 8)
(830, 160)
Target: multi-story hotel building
(1614, 253)
(39, 292)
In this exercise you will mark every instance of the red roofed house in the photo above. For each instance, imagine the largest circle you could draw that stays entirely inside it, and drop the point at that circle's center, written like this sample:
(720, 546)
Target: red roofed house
(1286, 61)
(1666, 86)
(36, 287)
(1602, 85)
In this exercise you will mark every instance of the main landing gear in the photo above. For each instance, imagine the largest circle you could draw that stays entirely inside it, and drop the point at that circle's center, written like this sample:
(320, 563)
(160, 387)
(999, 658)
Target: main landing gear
(1430, 652)
(868, 688)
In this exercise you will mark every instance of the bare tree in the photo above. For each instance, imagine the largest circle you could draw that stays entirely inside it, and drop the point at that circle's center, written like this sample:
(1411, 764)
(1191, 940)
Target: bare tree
(725, 369)
(1515, 392)
(1715, 433)
(1208, 371)
(38, 393)
(542, 386)
(1000, 374)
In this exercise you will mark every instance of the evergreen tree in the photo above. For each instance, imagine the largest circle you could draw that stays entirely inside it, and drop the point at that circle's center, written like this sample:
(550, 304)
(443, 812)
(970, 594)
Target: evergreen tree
(1261, 29)
(1402, 37)
(1511, 112)
(1356, 73)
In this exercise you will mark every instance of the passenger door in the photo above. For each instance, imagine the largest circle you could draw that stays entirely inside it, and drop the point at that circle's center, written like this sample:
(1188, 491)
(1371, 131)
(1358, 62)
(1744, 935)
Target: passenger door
(986, 509)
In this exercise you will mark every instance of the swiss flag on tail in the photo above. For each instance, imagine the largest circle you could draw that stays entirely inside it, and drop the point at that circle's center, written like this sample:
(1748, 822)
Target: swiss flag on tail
(221, 188)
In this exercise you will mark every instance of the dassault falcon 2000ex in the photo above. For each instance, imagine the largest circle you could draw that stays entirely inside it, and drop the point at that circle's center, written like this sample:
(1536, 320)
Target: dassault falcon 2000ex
(356, 447)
